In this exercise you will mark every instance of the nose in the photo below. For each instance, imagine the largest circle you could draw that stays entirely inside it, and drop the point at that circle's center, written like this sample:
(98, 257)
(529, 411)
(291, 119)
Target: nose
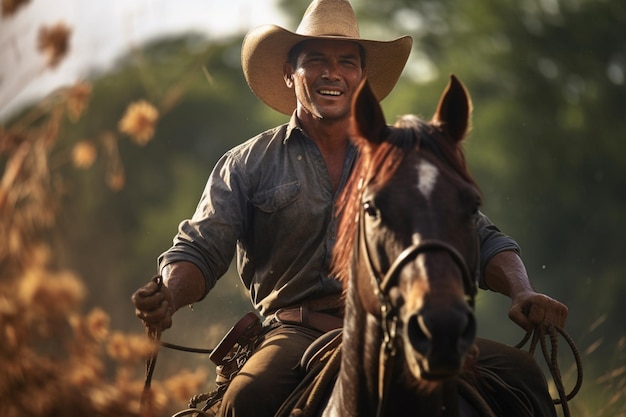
(441, 337)
(331, 70)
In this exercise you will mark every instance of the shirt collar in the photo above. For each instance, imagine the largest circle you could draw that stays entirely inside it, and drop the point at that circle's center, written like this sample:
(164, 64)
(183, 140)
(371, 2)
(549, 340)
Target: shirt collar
(293, 126)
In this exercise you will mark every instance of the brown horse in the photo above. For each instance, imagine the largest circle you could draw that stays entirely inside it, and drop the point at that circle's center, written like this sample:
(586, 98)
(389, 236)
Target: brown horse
(408, 254)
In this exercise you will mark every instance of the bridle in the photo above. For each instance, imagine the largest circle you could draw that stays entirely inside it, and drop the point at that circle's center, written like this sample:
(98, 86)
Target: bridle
(383, 284)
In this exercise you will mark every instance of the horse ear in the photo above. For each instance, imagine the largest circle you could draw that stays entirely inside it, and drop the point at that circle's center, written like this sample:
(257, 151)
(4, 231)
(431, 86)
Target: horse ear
(454, 109)
(368, 121)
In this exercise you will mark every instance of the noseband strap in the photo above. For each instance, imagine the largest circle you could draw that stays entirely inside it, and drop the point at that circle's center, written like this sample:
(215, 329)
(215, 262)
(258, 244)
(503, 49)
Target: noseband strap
(428, 245)
(383, 285)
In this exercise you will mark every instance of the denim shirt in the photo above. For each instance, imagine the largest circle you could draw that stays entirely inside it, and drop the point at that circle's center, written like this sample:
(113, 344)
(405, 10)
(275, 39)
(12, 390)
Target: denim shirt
(271, 200)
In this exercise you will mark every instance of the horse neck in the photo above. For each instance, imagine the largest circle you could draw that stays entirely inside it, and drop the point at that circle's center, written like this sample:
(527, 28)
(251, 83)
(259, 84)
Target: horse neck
(354, 394)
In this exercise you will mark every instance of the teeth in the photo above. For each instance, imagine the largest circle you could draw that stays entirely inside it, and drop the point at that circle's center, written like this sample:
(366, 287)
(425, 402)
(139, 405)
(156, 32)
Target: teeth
(330, 92)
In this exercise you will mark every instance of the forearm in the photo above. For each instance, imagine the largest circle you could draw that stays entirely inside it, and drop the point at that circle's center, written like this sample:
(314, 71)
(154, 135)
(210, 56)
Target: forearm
(185, 282)
(505, 273)
(492, 242)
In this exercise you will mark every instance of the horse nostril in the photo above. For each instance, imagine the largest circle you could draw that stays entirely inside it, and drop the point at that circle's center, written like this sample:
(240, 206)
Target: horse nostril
(419, 335)
(468, 335)
(454, 334)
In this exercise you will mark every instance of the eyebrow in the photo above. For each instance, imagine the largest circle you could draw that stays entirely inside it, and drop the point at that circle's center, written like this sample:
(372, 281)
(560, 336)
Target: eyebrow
(315, 54)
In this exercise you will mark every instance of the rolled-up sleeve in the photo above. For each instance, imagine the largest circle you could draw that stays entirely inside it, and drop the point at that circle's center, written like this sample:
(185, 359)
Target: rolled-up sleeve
(492, 242)
(209, 238)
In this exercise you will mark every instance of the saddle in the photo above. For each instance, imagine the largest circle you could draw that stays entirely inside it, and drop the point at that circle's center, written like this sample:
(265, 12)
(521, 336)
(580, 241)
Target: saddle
(320, 367)
(318, 350)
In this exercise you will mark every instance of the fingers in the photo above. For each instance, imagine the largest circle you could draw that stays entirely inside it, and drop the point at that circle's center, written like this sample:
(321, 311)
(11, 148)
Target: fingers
(538, 309)
(159, 318)
(153, 306)
(148, 297)
(518, 316)
(545, 310)
(147, 290)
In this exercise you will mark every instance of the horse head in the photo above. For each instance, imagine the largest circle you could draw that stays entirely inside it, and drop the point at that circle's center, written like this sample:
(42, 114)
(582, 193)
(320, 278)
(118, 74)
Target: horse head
(408, 232)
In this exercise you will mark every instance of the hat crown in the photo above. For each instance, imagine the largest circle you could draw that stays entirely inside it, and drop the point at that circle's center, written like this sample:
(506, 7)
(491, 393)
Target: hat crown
(329, 18)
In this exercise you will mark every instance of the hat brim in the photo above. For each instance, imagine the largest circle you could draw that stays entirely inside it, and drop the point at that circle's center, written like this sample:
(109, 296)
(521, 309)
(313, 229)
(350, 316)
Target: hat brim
(265, 49)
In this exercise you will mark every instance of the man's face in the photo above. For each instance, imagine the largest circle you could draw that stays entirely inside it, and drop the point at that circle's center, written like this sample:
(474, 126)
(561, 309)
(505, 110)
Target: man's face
(326, 76)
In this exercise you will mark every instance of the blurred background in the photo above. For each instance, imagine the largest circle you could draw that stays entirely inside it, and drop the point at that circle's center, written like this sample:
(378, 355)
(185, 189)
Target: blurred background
(112, 116)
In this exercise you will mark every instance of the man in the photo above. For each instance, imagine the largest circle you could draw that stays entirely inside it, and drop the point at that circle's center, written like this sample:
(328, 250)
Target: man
(272, 200)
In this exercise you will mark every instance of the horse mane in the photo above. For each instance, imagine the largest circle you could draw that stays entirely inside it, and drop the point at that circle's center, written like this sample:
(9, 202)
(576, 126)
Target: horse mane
(379, 163)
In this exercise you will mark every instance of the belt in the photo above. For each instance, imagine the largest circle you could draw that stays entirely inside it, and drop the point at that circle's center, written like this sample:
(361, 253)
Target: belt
(329, 303)
(322, 313)
(306, 316)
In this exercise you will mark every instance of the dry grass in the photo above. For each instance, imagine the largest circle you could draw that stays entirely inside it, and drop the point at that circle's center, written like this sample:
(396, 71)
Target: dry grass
(607, 393)
(56, 359)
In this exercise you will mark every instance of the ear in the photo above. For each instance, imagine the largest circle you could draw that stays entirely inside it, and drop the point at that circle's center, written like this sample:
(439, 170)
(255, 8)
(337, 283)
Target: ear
(454, 109)
(288, 75)
(368, 121)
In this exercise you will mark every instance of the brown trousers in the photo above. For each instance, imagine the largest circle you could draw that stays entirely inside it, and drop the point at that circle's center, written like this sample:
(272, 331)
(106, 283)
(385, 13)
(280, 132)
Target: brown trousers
(508, 378)
(270, 374)
(511, 381)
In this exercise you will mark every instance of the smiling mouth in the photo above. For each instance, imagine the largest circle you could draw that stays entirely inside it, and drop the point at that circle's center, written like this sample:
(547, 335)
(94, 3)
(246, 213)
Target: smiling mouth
(333, 93)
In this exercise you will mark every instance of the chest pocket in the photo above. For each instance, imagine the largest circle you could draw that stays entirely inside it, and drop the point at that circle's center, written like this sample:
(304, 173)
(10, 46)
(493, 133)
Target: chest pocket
(277, 223)
(277, 198)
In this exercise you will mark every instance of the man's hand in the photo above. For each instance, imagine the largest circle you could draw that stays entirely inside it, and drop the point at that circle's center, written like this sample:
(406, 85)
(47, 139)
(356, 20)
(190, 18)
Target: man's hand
(506, 274)
(154, 305)
(532, 309)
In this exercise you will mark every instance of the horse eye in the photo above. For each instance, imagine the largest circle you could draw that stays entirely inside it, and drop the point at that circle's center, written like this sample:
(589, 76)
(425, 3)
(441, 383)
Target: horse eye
(472, 202)
(478, 203)
(369, 209)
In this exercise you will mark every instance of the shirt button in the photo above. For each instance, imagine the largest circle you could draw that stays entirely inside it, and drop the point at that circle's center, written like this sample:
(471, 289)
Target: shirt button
(299, 157)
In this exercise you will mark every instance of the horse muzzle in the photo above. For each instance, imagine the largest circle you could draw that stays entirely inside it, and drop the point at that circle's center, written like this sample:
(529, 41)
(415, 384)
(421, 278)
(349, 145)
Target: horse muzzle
(437, 341)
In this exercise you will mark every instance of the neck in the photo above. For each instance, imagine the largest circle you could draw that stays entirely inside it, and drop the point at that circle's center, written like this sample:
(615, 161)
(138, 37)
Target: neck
(331, 137)
(330, 134)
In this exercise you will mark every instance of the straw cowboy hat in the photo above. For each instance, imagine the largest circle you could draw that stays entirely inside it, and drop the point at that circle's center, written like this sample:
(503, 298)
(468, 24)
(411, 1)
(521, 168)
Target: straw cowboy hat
(265, 50)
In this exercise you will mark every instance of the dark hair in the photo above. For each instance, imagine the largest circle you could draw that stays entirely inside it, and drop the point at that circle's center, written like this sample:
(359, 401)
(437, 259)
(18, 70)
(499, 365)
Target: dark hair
(292, 55)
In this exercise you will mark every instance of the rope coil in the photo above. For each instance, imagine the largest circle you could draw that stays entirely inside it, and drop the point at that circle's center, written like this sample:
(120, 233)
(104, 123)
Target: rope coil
(539, 335)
